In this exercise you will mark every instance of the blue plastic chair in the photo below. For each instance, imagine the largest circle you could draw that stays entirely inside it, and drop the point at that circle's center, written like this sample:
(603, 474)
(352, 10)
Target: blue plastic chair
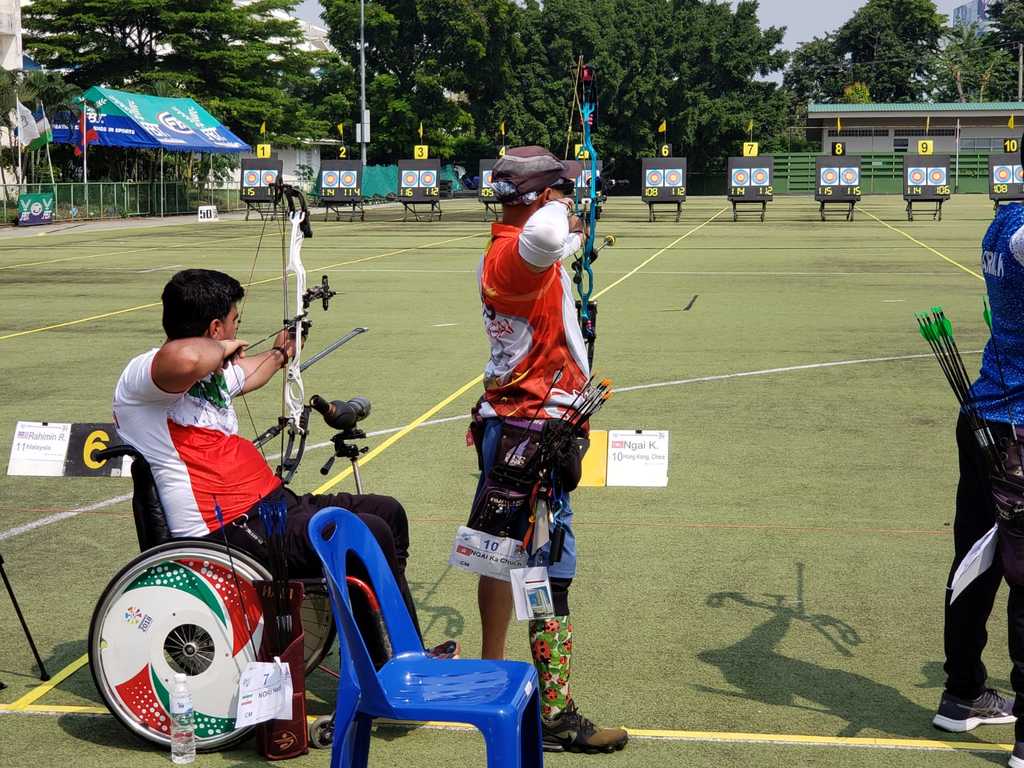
(500, 698)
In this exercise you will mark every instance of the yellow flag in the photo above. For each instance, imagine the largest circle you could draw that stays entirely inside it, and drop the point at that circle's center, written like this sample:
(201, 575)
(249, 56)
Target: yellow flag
(839, 124)
(750, 126)
(502, 128)
(663, 127)
(341, 130)
(927, 123)
(263, 128)
(1009, 123)
(421, 130)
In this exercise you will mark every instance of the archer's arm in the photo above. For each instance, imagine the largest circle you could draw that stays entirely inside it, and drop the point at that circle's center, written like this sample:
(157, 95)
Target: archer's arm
(547, 238)
(260, 369)
(182, 362)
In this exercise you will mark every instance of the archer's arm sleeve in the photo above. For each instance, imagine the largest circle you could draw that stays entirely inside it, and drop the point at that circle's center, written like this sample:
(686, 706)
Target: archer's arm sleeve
(234, 376)
(546, 238)
(1017, 245)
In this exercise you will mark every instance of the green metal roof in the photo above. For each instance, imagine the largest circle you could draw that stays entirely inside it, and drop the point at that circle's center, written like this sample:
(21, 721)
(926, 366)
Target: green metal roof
(925, 107)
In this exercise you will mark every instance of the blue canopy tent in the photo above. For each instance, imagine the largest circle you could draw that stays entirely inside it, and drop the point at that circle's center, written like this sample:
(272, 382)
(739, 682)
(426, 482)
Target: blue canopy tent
(139, 121)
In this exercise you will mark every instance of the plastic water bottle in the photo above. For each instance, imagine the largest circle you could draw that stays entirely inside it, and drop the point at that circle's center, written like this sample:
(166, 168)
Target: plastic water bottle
(183, 726)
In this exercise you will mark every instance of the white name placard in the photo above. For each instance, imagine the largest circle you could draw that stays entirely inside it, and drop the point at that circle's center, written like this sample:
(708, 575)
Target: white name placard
(39, 449)
(638, 457)
(486, 555)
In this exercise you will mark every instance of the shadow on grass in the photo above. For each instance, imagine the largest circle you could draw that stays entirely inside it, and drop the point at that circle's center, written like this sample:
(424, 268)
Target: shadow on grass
(757, 671)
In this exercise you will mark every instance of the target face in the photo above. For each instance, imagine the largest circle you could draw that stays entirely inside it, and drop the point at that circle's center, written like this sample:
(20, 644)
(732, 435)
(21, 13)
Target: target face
(329, 179)
(655, 178)
(850, 177)
(182, 615)
(583, 180)
(760, 177)
(1018, 174)
(916, 175)
(674, 177)
(1002, 174)
(251, 179)
(348, 180)
(937, 176)
(485, 178)
(740, 177)
(828, 177)
(269, 177)
(410, 179)
(428, 179)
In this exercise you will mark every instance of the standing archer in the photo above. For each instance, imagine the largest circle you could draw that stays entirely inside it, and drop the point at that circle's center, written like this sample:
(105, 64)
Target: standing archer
(538, 364)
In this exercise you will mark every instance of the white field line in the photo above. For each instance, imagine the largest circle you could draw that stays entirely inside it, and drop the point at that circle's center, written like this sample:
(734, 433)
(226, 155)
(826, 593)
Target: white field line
(57, 517)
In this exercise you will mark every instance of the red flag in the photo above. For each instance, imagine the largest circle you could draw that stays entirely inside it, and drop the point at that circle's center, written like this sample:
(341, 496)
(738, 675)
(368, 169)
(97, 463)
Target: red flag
(88, 135)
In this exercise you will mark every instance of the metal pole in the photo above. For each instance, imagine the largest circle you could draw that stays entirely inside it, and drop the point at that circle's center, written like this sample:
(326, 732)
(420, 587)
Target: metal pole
(1020, 71)
(161, 183)
(363, 82)
(956, 185)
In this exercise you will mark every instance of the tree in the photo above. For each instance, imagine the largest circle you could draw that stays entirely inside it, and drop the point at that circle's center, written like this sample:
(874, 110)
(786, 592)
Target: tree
(816, 71)
(891, 46)
(856, 93)
(967, 63)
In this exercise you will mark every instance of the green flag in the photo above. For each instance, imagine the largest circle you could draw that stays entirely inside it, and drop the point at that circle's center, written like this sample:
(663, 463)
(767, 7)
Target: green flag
(43, 127)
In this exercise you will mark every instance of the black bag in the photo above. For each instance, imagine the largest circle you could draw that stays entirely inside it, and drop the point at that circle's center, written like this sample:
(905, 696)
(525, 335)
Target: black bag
(505, 502)
(1008, 496)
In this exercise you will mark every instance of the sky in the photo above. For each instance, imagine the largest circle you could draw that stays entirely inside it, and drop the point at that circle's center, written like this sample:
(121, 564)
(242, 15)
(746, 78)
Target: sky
(803, 19)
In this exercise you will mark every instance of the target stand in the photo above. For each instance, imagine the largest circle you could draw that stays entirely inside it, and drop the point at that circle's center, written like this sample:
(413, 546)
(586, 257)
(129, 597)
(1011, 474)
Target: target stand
(486, 191)
(419, 186)
(838, 185)
(1006, 179)
(926, 182)
(750, 184)
(664, 184)
(259, 177)
(341, 186)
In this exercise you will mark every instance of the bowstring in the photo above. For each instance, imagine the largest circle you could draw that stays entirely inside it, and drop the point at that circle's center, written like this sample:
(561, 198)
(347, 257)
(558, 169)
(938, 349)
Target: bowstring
(575, 106)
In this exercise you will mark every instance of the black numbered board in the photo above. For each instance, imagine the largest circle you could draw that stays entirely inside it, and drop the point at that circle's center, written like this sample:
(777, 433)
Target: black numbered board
(926, 177)
(341, 181)
(664, 180)
(750, 179)
(486, 192)
(418, 181)
(582, 192)
(837, 179)
(1005, 177)
(258, 176)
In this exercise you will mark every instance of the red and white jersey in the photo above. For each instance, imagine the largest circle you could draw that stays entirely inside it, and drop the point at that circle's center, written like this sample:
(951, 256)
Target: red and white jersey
(190, 440)
(530, 320)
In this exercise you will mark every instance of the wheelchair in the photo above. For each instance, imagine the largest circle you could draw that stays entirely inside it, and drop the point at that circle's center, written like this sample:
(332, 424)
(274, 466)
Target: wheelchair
(185, 606)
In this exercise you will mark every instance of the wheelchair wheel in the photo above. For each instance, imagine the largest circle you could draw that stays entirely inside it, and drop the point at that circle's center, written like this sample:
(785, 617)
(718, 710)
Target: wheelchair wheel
(176, 608)
(317, 623)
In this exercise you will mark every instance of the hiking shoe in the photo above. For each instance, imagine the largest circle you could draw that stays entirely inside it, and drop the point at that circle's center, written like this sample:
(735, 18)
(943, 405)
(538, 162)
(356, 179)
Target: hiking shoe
(1017, 758)
(572, 732)
(449, 649)
(958, 715)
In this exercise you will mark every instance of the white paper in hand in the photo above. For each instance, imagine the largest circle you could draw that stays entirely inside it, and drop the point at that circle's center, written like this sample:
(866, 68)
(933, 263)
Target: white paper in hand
(264, 693)
(975, 563)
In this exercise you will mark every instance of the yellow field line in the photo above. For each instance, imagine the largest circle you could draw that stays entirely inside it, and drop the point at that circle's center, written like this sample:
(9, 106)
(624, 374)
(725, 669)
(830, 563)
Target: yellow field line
(41, 690)
(714, 737)
(81, 320)
(327, 485)
(120, 253)
(927, 247)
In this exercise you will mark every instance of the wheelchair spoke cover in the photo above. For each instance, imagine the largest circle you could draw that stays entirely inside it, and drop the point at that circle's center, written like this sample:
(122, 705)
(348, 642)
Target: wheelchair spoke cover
(176, 609)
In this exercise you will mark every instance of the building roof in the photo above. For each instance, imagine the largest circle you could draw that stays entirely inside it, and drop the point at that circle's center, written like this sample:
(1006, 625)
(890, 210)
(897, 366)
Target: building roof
(1003, 107)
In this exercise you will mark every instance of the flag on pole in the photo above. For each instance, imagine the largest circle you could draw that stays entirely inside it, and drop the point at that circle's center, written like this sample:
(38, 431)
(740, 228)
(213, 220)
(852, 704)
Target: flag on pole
(663, 127)
(43, 128)
(421, 130)
(839, 124)
(1009, 123)
(502, 129)
(927, 123)
(86, 135)
(263, 128)
(341, 130)
(750, 126)
(26, 125)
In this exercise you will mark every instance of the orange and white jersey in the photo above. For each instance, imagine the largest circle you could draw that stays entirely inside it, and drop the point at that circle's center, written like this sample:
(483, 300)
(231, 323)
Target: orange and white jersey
(530, 318)
(191, 442)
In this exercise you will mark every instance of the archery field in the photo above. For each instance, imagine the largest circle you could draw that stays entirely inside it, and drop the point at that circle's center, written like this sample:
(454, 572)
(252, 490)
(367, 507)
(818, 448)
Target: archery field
(779, 603)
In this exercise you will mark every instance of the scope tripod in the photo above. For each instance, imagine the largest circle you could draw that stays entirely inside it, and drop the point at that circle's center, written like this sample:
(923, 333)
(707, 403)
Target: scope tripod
(344, 450)
(43, 674)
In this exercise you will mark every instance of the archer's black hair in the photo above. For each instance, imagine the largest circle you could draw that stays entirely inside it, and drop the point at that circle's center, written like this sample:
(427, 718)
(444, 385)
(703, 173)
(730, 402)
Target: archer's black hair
(194, 298)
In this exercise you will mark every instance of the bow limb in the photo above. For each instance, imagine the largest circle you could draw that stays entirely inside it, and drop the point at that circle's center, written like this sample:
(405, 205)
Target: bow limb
(294, 395)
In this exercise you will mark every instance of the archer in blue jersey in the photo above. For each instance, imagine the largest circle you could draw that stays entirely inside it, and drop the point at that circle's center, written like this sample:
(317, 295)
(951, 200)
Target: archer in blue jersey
(999, 389)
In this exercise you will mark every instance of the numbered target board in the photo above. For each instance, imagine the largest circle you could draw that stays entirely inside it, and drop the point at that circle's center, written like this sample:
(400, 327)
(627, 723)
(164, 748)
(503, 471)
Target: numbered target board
(258, 178)
(926, 177)
(582, 192)
(1005, 177)
(664, 180)
(837, 179)
(751, 178)
(341, 181)
(418, 181)
(486, 192)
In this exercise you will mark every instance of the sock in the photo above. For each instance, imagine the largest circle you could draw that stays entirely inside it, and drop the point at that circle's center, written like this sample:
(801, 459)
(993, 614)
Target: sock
(551, 646)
